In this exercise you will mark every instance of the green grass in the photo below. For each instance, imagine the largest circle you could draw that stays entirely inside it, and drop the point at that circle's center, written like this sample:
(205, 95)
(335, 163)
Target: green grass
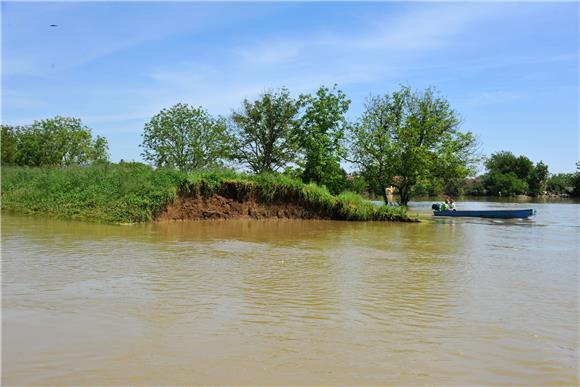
(134, 192)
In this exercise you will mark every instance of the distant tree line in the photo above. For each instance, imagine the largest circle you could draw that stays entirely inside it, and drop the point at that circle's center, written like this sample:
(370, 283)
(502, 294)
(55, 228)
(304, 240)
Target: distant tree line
(409, 141)
(508, 175)
(58, 141)
(565, 183)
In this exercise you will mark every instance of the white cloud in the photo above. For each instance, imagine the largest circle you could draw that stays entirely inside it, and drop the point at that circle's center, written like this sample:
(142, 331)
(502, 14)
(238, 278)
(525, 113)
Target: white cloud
(382, 51)
(496, 97)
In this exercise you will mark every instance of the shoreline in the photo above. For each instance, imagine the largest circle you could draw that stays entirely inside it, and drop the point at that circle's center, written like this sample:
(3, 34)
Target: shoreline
(137, 193)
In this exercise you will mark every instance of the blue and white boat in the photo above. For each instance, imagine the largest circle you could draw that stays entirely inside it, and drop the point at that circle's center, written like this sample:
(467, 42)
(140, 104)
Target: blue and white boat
(498, 214)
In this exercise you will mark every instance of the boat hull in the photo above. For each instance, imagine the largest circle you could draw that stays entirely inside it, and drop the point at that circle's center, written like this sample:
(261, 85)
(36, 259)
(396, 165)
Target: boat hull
(497, 214)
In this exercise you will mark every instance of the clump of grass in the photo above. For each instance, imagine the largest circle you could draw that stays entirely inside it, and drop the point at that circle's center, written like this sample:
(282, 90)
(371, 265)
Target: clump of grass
(135, 192)
(122, 193)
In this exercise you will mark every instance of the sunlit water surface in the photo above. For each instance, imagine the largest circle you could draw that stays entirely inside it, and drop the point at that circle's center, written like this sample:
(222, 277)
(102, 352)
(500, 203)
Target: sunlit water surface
(445, 302)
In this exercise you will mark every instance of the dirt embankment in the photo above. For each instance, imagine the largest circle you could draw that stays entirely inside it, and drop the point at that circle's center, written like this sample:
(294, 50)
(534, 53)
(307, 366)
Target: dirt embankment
(220, 207)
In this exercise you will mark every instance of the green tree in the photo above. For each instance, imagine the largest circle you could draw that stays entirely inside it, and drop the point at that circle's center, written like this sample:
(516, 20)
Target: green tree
(320, 137)
(58, 141)
(186, 138)
(405, 137)
(518, 171)
(356, 183)
(265, 132)
(100, 149)
(538, 179)
(576, 180)
(505, 184)
(8, 141)
(558, 183)
(506, 162)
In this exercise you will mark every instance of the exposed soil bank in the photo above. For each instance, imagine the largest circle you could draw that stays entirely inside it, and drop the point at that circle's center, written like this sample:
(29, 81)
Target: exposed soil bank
(134, 193)
(219, 207)
(232, 200)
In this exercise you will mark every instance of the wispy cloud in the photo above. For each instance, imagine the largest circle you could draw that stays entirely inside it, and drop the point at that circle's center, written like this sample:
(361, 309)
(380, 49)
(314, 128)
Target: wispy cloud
(381, 51)
(86, 32)
(496, 97)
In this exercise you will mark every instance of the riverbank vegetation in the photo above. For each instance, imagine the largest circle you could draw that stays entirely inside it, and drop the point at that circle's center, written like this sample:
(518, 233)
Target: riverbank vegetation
(276, 148)
(401, 139)
(135, 192)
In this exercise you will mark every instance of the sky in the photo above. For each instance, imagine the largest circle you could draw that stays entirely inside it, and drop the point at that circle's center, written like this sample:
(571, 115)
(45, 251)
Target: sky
(511, 70)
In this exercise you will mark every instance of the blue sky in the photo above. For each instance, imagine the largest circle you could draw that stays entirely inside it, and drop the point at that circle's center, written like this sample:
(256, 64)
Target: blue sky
(510, 69)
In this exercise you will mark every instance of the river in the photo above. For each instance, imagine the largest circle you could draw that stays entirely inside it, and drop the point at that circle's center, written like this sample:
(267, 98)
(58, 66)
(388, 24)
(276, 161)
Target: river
(442, 302)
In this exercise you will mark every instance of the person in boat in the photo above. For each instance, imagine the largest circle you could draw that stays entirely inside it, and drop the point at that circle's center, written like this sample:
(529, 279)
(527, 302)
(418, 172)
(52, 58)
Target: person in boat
(444, 206)
(452, 205)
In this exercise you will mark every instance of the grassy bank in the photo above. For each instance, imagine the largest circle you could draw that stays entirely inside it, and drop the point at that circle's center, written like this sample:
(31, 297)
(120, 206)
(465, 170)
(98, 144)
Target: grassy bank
(133, 192)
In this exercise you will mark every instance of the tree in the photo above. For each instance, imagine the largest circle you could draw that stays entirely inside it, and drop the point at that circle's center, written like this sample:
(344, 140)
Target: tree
(513, 175)
(265, 132)
(506, 162)
(405, 137)
(538, 179)
(320, 137)
(100, 149)
(186, 138)
(9, 142)
(58, 141)
(356, 183)
(505, 184)
(560, 182)
(576, 180)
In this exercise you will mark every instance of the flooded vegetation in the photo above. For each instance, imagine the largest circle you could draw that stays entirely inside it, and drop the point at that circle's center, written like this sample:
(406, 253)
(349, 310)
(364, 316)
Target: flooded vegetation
(445, 302)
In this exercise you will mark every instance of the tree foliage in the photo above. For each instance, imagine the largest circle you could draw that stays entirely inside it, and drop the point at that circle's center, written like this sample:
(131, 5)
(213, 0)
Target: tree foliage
(560, 183)
(8, 142)
(538, 179)
(405, 137)
(58, 141)
(506, 162)
(264, 132)
(511, 175)
(186, 138)
(320, 137)
(505, 184)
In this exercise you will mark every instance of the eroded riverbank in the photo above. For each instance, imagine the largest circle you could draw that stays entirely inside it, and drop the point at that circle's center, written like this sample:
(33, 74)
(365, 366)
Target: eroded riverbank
(134, 193)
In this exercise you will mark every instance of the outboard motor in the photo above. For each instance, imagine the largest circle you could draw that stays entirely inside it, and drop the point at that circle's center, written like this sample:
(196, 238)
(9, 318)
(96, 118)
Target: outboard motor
(436, 206)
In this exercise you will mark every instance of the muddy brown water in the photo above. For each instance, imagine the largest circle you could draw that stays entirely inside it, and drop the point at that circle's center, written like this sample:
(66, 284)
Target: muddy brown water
(444, 302)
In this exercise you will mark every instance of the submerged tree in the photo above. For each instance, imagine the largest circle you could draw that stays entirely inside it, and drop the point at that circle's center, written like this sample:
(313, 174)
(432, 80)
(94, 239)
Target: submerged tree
(265, 132)
(405, 137)
(186, 138)
(320, 137)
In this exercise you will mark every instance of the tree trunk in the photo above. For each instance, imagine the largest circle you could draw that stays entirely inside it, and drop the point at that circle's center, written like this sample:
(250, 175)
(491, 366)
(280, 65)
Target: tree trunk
(405, 195)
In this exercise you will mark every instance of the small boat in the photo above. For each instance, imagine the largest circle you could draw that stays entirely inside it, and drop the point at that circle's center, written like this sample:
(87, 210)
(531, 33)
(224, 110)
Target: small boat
(498, 214)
